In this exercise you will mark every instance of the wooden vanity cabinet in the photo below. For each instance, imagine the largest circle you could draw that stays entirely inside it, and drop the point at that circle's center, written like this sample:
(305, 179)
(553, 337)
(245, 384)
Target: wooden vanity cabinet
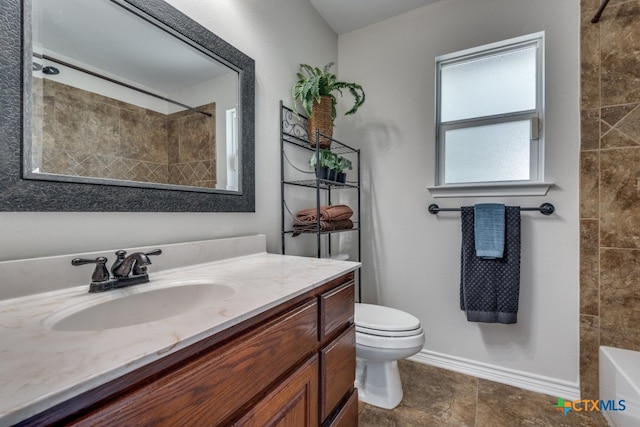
(291, 366)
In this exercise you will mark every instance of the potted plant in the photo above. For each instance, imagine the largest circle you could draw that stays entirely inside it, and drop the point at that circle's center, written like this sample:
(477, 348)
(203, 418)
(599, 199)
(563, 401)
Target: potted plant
(324, 161)
(315, 90)
(341, 165)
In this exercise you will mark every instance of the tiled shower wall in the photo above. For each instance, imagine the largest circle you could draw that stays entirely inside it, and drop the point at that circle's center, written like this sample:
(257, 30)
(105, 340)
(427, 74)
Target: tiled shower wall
(87, 134)
(610, 184)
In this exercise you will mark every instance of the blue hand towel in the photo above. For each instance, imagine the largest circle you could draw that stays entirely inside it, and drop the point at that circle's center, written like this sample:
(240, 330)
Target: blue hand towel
(489, 230)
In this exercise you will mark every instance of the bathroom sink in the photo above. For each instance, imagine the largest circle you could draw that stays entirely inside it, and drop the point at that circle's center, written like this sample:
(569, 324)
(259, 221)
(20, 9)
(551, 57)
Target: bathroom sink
(138, 304)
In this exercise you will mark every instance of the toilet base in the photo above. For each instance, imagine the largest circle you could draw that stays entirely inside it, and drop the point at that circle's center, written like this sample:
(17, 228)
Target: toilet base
(378, 383)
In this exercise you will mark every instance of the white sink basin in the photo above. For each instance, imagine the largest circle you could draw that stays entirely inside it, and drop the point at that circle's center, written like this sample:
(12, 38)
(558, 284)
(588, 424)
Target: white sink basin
(138, 304)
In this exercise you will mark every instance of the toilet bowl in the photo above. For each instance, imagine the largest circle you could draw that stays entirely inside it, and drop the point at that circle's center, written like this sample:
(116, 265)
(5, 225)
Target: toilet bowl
(383, 336)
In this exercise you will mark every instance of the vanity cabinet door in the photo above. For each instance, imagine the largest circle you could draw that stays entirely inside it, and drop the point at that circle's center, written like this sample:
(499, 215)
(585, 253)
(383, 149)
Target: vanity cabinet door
(337, 371)
(294, 403)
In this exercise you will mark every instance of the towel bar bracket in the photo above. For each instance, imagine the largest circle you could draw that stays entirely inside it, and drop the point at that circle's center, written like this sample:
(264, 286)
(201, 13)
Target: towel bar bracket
(598, 14)
(544, 209)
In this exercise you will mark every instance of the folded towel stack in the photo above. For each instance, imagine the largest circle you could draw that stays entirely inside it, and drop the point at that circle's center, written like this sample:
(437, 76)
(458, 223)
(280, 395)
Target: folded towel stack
(332, 218)
(344, 224)
(327, 213)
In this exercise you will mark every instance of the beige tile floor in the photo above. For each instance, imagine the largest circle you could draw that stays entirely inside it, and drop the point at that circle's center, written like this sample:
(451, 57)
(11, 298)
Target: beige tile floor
(437, 397)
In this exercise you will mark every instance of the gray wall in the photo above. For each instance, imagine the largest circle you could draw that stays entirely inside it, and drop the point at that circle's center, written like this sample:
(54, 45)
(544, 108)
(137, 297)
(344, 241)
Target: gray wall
(412, 257)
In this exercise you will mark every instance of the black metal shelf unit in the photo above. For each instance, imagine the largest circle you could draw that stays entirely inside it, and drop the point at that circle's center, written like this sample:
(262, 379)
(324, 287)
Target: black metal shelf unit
(293, 133)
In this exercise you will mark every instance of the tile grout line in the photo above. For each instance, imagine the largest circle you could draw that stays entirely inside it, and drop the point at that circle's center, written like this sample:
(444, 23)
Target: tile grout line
(475, 416)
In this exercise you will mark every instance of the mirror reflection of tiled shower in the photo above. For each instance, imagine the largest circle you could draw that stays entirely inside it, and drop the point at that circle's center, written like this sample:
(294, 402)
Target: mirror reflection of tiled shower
(91, 135)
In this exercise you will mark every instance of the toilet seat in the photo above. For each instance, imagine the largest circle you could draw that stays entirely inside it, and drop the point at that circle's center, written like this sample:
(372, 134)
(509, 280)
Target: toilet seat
(386, 327)
(385, 333)
(386, 342)
(385, 321)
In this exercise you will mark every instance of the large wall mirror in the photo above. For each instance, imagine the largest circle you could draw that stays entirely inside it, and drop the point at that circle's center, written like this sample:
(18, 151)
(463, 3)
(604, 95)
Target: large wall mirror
(126, 105)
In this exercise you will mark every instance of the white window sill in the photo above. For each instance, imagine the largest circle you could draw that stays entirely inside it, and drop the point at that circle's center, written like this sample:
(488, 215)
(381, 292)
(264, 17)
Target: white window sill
(492, 189)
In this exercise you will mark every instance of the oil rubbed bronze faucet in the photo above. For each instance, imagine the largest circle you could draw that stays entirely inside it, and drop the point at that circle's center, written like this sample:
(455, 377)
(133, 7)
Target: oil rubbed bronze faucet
(126, 270)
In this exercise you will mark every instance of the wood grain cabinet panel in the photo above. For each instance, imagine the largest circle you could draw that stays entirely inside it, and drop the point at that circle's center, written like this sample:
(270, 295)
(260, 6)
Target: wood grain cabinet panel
(294, 403)
(337, 371)
(336, 309)
(348, 415)
(212, 388)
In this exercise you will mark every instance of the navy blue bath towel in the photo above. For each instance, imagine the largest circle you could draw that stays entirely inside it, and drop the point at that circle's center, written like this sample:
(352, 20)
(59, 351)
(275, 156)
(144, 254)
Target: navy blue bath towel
(489, 288)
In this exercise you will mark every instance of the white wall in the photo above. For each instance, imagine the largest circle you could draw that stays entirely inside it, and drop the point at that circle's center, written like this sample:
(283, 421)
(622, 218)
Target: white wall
(223, 90)
(278, 35)
(411, 259)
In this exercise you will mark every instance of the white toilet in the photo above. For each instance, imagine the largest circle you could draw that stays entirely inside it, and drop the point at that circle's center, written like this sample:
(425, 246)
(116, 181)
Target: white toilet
(383, 335)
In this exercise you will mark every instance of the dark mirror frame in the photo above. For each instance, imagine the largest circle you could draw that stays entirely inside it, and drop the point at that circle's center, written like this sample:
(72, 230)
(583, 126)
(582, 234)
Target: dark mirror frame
(18, 194)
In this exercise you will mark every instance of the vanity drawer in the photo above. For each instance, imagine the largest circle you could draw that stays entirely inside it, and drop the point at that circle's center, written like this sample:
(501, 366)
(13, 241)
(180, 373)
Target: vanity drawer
(337, 371)
(348, 414)
(336, 309)
(214, 386)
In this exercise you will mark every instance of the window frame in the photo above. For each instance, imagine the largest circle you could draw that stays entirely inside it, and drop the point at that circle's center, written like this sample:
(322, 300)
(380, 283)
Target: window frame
(535, 116)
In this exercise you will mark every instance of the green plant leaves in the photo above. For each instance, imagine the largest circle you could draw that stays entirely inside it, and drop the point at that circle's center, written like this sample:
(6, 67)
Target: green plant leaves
(329, 159)
(313, 83)
(344, 163)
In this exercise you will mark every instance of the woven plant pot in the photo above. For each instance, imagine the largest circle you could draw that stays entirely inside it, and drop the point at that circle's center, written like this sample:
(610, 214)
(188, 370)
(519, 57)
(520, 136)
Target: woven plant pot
(321, 118)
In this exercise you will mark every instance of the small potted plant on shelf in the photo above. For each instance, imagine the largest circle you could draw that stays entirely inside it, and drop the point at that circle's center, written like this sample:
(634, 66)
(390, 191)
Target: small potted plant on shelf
(315, 90)
(341, 165)
(324, 161)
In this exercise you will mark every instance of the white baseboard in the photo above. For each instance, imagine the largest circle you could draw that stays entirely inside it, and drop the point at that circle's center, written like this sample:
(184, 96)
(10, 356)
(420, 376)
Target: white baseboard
(538, 383)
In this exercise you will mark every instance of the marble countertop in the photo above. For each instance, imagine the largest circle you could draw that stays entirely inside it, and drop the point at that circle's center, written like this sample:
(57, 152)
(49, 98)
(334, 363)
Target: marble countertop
(41, 367)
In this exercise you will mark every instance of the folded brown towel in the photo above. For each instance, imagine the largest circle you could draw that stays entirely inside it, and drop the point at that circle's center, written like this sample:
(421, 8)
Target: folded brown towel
(312, 227)
(327, 213)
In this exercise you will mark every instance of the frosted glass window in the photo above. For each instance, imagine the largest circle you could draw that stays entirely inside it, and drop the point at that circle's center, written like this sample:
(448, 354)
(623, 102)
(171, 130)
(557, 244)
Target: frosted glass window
(499, 152)
(489, 113)
(486, 86)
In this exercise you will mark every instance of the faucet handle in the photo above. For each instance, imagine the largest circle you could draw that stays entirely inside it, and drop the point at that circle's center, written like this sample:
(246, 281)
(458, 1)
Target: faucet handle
(100, 274)
(140, 268)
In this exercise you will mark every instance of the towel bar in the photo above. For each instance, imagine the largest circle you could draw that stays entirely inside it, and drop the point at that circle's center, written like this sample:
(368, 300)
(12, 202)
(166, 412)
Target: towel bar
(544, 209)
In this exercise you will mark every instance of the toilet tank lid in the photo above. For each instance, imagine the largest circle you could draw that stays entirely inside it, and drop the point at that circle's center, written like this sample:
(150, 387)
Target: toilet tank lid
(384, 318)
